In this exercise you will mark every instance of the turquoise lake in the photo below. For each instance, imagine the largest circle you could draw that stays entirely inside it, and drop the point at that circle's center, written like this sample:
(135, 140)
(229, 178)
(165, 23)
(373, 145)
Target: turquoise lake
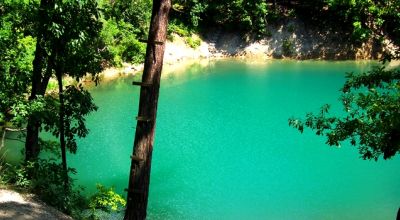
(224, 150)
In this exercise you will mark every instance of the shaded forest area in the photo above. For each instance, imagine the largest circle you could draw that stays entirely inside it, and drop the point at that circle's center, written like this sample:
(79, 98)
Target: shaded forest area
(44, 42)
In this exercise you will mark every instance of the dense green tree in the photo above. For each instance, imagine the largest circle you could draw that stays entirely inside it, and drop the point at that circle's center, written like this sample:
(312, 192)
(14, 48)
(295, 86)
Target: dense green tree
(40, 76)
(68, 43)
(16, 49)
(39, 41)
(122, 41)
(125, 22)
(367, 17)
(74, 47)
(238, 15)
(137, 13)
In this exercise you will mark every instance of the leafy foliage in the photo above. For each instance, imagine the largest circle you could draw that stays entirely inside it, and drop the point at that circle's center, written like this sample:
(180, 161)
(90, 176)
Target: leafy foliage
(179, 28)
(16, 51)
(187, 32)
(17, 175)
(125, 22)
(106, 199)
(74, 38)
(45, 178)
(193, 42)
(372, 118)
(122, 40)
(366, 18)
(238, 15)
(78, 104)
(136, 13)
(47, 182)
(287, 47)
(73, 47)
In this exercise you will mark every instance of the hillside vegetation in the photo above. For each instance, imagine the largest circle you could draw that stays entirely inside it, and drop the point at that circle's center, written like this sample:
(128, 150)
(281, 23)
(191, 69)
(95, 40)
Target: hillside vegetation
(327, 29)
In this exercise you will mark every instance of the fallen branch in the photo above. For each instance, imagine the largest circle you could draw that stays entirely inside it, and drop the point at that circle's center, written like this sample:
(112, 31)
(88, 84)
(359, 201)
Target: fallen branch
(15, 129)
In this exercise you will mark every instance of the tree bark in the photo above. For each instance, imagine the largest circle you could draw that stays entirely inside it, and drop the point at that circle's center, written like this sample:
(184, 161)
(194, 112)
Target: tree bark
(139, 178)
(39, 83)
(398, 214)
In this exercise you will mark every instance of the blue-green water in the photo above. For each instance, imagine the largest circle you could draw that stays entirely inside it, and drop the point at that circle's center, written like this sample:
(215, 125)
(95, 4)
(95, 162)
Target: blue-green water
(224, 150)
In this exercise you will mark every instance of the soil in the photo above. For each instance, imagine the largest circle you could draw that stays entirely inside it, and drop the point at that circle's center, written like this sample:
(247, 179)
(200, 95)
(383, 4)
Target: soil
(16, 206)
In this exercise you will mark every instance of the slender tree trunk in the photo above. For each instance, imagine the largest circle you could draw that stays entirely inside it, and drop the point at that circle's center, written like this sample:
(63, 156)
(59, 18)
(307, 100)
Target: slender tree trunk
(32, 138)
(32, 148)
(139, 179)
(61, 129)
(39, 83)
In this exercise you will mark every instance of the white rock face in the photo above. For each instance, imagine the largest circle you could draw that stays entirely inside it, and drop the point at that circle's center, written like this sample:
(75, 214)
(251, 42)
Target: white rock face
(291, 39)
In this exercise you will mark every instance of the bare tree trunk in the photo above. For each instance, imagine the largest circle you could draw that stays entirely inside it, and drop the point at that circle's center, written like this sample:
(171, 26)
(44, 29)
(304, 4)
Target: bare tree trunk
(139, 179)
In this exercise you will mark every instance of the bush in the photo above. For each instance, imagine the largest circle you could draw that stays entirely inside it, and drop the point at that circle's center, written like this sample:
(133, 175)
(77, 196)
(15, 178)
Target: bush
(133, 51)
(16, 175)
(193, 42)
(104, 202)
(290, 28)
(45, 178)
(287, 47)
(360, 33)
(176, 27)
(106, 199)
(122, 41)
(268, 33)
(179, 29)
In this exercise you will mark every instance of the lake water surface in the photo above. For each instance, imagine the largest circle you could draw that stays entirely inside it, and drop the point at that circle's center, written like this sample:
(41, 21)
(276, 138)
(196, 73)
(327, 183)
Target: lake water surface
(224, 150)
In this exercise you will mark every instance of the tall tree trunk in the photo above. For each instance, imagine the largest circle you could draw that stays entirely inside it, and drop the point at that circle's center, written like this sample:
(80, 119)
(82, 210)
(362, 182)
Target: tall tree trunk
(62, 128)
(39, 83)
(139, 178)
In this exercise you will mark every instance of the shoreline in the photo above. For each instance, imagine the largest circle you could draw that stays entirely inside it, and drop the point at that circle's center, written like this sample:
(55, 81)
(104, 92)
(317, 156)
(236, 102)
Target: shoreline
(170, 68)
(16, 205)
(307, 44)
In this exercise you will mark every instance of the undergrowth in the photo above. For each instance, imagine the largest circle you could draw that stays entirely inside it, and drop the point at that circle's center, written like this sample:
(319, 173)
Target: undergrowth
(44, 178)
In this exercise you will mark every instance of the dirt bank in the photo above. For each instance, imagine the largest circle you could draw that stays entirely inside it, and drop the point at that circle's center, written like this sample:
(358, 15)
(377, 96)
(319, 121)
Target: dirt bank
(15, 206)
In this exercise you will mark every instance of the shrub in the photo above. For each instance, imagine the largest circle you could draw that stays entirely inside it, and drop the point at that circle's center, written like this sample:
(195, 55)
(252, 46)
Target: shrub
(106, 199)
(290, 28)
(121, 39)
(179, 29)
(268, 33)
(16, 175)
(360, 33)
(287, 47)
(193, 42)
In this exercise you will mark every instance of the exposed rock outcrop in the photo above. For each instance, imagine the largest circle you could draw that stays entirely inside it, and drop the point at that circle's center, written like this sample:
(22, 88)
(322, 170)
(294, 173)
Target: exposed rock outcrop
(292, 38)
